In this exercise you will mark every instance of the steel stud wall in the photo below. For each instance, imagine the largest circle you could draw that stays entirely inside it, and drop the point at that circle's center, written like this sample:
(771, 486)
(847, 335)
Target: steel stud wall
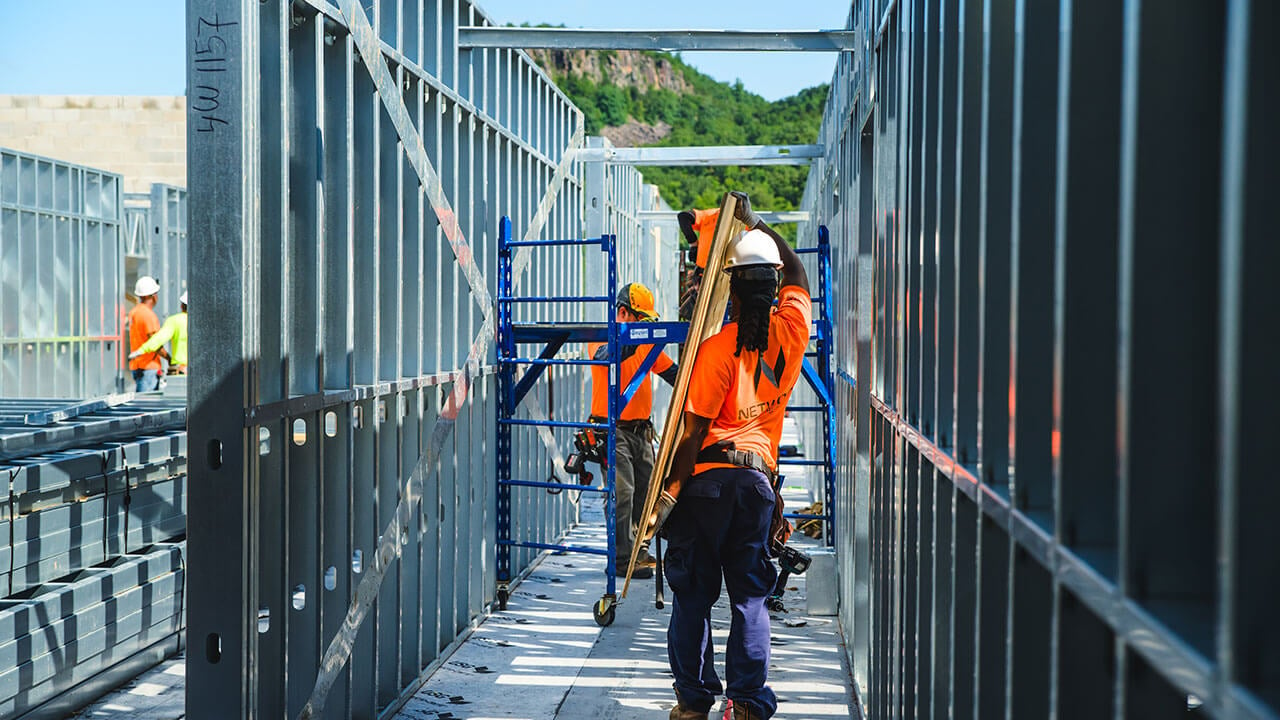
(1055, 231)
(61, 268)
(348, 165)
(167, 257)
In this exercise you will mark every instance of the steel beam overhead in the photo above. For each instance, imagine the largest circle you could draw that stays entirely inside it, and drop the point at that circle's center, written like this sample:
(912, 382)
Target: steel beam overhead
(707, 155)
(669, 40)
(771, 217)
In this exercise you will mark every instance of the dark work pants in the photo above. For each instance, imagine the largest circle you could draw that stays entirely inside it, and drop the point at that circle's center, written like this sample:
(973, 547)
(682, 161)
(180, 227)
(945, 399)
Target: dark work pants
(634, 452)
(719, 529)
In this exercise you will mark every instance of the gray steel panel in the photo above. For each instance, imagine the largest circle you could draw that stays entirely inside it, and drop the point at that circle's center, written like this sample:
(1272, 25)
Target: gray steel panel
(1053, 312)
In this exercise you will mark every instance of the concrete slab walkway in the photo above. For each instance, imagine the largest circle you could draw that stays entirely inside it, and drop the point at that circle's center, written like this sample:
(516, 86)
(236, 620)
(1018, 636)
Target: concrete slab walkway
(545, 657)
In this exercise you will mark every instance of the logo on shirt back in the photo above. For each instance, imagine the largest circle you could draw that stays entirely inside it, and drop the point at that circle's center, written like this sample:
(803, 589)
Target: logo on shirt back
(772, 374)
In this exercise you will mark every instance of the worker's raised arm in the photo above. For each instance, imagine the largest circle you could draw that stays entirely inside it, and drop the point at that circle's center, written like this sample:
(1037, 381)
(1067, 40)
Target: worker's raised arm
(793, 272)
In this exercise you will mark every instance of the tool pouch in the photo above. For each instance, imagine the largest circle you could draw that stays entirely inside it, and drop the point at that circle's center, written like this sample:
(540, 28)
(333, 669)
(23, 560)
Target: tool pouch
(780, 528)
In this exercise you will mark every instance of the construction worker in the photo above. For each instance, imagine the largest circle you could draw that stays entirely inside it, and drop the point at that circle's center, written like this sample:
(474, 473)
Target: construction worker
(699, 229)
(723, 473)
(633, 461)
(175, 329)
(143, 323)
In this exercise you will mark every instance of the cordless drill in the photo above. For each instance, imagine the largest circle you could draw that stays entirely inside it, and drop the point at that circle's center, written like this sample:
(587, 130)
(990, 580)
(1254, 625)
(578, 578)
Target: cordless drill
(791, 562)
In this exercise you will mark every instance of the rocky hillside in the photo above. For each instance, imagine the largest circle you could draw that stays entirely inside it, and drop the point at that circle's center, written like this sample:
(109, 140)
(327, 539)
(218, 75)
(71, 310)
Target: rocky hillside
(621, 68)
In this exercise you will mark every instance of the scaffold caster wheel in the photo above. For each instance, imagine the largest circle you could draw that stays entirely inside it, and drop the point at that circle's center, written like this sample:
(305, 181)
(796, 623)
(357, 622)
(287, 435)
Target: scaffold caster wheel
(604, 611)
(774, 604)
(503, 595)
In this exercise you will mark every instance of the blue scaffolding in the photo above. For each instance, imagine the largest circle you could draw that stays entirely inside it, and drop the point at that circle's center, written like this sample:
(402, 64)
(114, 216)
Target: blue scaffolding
(518, 374)
(819, 372)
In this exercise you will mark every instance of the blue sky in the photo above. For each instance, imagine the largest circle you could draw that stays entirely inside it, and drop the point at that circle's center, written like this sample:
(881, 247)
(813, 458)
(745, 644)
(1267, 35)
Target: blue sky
(136, 47)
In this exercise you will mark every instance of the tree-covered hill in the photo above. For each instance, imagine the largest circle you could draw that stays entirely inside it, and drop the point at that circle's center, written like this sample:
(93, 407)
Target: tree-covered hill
(652, 91)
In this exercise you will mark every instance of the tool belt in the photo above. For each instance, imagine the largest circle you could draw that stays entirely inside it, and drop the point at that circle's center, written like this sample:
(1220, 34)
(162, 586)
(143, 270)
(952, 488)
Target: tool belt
(723, 452)
(643, 426)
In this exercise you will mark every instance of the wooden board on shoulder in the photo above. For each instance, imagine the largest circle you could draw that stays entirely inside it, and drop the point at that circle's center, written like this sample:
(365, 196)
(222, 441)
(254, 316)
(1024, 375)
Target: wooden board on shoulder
(707, 319)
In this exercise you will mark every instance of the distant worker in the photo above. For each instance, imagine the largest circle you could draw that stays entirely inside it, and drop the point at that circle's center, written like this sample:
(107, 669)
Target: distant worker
(175, 329)
(634, 443)
(143, 323)
(699, 229)
(724, 472)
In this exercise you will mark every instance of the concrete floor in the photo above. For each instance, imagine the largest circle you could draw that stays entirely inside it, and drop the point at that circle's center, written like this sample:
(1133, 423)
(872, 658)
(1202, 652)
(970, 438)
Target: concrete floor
(545, 657)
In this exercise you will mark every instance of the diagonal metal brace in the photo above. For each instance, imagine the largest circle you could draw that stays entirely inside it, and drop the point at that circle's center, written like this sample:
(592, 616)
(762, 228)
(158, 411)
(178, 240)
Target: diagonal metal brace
(339, 649)
(367, 42)
(532, 374)
(817, 382)
(641, 375)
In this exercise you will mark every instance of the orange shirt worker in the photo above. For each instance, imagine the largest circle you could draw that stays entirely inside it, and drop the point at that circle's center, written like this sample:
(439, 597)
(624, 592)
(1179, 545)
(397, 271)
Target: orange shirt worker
(723, 473)
(143, 323)
(633, 461)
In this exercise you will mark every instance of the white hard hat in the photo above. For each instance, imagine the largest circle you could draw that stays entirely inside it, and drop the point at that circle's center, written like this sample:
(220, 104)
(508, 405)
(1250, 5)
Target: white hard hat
(146, 286)
(753, 247)
(183, 297)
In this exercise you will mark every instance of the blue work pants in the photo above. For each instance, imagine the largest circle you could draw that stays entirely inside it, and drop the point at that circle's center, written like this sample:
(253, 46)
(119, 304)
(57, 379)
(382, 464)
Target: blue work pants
(146, 380)
(718, 529)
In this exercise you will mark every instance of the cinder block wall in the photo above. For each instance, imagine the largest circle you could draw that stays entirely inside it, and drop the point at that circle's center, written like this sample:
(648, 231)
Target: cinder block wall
(143, 138)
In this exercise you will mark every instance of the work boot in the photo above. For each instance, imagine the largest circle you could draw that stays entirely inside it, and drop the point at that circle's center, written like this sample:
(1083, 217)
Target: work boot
(683, 712)
(742, 712)
(642, 572)
(680, 712)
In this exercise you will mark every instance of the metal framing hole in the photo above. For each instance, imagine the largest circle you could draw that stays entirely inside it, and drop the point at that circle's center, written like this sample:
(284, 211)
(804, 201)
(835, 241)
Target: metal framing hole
(264, 441)
(357, 561)
(213, 648)
(299, 432)
(357, 416)
(264, 619)
(331, 424)
(215, 454)
(299, 597)
(330, 578)
(382, 411)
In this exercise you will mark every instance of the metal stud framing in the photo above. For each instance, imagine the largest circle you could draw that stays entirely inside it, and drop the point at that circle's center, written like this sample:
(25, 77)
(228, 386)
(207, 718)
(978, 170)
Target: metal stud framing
(1052, 316)
(61, 270)
(348, 167)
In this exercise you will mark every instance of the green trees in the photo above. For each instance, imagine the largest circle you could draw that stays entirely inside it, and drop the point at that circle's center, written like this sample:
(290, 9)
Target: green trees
(713, 113)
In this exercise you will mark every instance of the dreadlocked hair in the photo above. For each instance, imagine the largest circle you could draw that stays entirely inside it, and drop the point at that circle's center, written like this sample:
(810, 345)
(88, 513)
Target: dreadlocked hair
(755, 289)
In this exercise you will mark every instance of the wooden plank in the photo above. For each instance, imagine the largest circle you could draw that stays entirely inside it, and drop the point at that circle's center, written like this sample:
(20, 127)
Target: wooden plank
(708, 318)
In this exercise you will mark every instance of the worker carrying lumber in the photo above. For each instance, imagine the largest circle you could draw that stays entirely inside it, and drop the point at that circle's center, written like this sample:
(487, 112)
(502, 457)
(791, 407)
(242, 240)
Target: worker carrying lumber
(143, 323)
(723, 473)
(173, 331)
(633, 463)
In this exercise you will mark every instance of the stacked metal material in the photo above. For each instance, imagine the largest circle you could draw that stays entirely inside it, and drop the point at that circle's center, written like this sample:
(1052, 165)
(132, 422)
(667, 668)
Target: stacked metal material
(91, 549)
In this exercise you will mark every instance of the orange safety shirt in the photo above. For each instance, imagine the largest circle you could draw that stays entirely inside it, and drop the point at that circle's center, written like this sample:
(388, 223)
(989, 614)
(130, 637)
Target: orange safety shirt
(746, 396)
(143, 323)
(704, 223)
(641, 405)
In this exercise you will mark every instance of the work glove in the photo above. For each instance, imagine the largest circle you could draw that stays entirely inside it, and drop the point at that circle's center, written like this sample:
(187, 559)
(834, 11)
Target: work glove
(134, 355)
(661, 511)
(744, 212)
